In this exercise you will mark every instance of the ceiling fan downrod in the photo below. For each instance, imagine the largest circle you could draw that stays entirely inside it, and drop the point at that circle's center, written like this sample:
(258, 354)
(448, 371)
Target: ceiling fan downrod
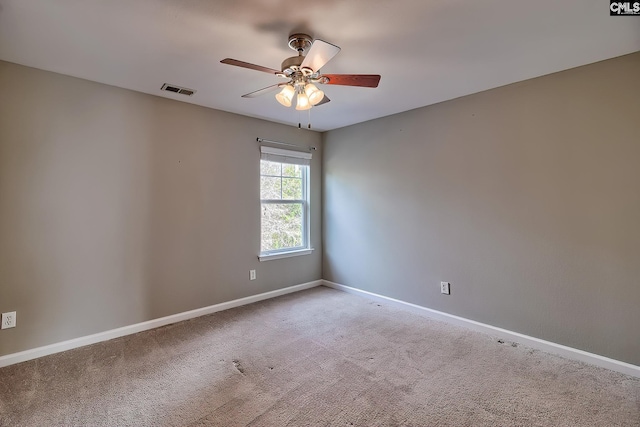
(300, 42)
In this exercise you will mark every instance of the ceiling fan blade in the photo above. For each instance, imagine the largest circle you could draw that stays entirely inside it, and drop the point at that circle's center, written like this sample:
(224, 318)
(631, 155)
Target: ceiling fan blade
(243, 64)
(320, 53)
(323, 101)
(264, 90)
(363, 80)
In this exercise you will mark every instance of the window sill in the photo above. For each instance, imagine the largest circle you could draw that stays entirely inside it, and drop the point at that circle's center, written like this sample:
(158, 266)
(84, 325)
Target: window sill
(269, 257)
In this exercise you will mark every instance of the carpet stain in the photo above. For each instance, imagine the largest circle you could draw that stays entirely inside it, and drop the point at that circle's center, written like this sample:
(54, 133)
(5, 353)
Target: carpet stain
(238, 366)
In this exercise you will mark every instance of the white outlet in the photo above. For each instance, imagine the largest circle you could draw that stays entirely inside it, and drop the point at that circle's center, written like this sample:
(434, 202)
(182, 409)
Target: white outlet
(8, 320)
(252, 275)
(444, 288)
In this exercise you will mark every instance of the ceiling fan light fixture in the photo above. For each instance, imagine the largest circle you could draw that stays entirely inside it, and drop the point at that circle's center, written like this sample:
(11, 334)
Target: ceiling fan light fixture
(303, 102)
(285, 97)
(314, 94)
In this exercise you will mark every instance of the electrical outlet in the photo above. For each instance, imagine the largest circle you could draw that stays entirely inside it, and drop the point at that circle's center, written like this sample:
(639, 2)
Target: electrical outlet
(9, 320)
(252, 275)
(444, 288)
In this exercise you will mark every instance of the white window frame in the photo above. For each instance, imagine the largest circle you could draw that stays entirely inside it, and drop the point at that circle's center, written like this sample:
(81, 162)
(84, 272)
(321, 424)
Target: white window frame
(298, 158)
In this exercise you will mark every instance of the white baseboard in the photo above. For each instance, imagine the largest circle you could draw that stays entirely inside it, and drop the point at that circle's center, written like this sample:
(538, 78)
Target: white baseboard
(23, 356)
(548, 346)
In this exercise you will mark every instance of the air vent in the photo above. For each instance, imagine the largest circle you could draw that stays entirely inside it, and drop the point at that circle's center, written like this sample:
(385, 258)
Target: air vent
(177, 89)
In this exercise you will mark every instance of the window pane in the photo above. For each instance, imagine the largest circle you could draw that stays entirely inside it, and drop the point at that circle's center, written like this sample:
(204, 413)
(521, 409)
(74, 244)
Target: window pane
(270, 187)
(281, 226)
(292, 188)
(292, 170)
(269, 168)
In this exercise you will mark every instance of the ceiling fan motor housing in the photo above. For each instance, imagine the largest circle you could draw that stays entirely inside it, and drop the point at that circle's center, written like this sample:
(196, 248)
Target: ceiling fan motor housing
(292, 64)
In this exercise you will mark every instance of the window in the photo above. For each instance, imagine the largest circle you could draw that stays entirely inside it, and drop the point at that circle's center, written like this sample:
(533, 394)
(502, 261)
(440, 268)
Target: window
(284, 200)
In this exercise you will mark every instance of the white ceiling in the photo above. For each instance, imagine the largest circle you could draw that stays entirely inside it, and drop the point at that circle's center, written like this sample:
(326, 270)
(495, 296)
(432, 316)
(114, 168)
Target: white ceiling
(427, 51)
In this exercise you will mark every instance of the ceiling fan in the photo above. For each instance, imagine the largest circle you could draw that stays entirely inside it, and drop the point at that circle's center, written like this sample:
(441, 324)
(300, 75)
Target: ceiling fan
(303, 72)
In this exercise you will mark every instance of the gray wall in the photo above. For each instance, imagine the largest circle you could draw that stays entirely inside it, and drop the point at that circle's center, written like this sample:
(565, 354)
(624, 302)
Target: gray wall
(526, 198)
(118, 207)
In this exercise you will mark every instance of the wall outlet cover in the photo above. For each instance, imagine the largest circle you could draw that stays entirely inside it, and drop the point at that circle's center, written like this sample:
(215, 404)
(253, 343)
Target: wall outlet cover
(444, 288)
(9, 320)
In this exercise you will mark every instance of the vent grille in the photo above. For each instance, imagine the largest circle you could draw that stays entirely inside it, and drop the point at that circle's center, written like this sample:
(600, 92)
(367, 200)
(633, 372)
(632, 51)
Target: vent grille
(177, 89)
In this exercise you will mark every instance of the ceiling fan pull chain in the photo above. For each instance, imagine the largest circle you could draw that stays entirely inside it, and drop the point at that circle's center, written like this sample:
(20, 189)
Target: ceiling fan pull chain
(309, 119)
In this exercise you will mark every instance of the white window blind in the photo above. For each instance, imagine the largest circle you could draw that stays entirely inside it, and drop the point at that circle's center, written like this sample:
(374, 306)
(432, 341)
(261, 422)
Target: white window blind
(285, 156)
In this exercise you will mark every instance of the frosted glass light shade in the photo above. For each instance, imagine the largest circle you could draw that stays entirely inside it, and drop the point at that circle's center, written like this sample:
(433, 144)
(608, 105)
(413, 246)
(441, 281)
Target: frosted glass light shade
(303, 102)
(315, 95)
(286, 95)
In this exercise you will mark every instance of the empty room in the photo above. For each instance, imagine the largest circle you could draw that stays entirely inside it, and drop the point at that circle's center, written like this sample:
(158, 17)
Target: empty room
(330, 213)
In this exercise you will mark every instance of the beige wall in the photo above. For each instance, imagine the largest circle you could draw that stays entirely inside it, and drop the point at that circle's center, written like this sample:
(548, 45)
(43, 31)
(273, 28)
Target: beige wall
(526, 198)
(118, 207)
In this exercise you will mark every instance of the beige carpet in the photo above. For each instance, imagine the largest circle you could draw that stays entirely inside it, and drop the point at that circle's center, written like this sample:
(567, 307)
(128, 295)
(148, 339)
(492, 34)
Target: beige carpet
(315, 358)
